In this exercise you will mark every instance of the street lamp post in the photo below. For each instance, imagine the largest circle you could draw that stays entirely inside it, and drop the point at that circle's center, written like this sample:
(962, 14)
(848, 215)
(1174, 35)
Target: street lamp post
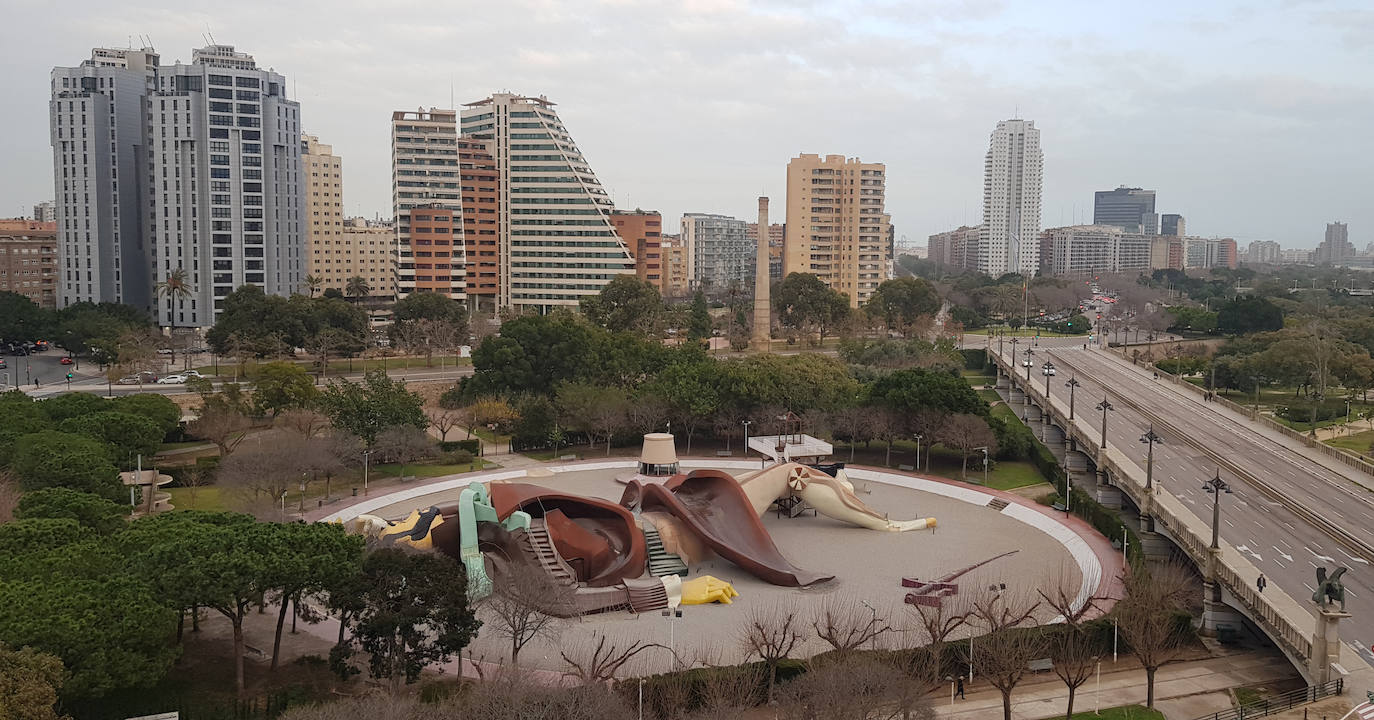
(746, 438)
(1071, 385)
(1014, 342)
(1150, 439)
(1105, 406)
(1048, 367)
(1216, 486)
(366, 453)
(918, 452)
(984, 448)
(1030, 352)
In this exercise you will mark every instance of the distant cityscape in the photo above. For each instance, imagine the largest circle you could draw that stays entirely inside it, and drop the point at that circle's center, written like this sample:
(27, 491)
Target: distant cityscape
(202, 171)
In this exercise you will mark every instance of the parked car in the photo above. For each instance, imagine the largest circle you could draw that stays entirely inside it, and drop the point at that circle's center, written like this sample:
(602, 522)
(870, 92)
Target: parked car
(3, 363)
(66, 360)
(164, 351)
(192, 374)
(172, 380)
(127, 380)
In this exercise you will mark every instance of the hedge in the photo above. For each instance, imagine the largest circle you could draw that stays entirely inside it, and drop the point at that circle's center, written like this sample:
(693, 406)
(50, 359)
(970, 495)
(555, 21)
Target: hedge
(472, 445)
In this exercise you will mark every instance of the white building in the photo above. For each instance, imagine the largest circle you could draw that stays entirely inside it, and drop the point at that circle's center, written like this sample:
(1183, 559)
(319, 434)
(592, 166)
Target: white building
(557, 242)
(160, 168)
(720, 250)
(1093, 249)
(1012, 175)
(425, 173)
(1264, 252)
(45, 211)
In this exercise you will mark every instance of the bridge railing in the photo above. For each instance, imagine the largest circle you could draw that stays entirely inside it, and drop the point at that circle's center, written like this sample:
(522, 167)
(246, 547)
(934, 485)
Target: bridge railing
(1286, 701)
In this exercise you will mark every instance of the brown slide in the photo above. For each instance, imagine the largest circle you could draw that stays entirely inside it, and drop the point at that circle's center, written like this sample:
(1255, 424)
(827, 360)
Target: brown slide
(600, 540)
(715, 507)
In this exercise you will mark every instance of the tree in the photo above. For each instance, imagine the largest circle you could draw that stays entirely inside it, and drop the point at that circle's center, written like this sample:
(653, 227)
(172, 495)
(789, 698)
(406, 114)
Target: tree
(176, 288)
(428, 321)
(129, 435)
(900, 303)
(525, 604)
(598, 411)
(699, 318)
(91, 511)
(412, 611)
(625, 304)
(597, 663)
(691, 391)
(966, 433)
(849, 688)
(313, 558)
(378, 402)
(914, 389)
(887, 426)
(771, 634)
(1003, 655)
(281, 386)
(444, 420)
(1249, 314)
(846, 626)
(73, 405)
(158, 408)
(29, 682)
(357, 288)
(22, 318)
(313, 283)
(804, 302)
(403, 444)
(57, 459)
(1152, 617)
(1075, 646)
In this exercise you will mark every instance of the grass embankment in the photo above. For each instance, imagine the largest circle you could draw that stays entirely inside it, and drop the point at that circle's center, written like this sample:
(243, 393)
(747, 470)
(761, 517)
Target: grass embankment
(1358, 442)
(1125, 712)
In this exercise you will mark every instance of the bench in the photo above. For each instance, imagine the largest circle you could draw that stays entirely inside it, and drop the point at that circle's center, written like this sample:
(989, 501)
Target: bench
(1061, 507)
(1040, 665)
(407, 478)
(567, 457)
(906, 468)
(723, 453)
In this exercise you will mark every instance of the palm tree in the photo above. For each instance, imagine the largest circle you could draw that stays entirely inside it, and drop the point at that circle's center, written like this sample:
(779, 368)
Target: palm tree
(313, 283)
(357, 288)
(176, 286)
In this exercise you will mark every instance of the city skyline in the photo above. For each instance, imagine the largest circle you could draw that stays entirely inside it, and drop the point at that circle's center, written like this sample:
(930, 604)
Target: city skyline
(939, 72)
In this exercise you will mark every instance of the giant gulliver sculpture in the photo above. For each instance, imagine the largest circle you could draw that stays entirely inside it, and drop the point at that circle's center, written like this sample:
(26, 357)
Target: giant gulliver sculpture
(633, 554)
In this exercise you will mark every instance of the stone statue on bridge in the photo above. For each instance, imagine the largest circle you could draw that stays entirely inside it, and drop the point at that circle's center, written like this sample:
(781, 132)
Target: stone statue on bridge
(1329, 589)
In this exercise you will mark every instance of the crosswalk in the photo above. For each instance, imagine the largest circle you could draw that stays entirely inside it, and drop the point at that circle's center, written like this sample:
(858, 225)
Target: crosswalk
(1365, 711)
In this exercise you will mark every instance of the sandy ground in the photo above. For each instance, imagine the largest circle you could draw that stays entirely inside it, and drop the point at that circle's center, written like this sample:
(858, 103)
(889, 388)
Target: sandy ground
(868, 566)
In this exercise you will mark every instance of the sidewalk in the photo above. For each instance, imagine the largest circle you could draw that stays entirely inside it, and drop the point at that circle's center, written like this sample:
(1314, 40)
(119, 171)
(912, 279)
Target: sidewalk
(1183, 691)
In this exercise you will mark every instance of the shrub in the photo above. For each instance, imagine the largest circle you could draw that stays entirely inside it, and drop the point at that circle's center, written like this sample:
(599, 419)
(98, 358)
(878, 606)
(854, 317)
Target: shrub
(472, 446)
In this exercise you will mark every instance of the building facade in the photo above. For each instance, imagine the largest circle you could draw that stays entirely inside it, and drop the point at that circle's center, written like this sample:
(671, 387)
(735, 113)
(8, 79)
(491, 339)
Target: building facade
(642, 233)
(777, 233)
(28, 260)
(1093, 249)
(1172, 224)
(425, 174)
(209, 155)
(481, 188)
(324, 222)
(1336, 247)
(1264, 252)
(45, 212)
(1012, 176)
(1131, 209)
(1209, 252)
(955, 250)
(837, 227)
(720, 251)
(676, 271)
(556, 241)
(360, 249)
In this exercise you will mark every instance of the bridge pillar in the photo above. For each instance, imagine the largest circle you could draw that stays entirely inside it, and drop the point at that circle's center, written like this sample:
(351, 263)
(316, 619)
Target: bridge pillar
(1003, 382)
(1053, 435)
(1326, 643)
(1215, 611)
(1106, 495)
(1015, 396)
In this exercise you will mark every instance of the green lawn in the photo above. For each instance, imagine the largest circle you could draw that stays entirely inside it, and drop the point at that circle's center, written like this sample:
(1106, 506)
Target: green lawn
(1356, 442)
(169, 447)
(207, 498)
(989, 396)
(1125, 712)
(385, 470)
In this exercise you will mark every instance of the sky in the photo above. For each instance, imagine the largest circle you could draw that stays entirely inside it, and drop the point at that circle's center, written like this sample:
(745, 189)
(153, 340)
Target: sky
(1249, 118)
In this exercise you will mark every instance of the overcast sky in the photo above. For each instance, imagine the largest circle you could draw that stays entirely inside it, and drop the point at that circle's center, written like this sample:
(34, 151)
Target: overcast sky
(1252, 118)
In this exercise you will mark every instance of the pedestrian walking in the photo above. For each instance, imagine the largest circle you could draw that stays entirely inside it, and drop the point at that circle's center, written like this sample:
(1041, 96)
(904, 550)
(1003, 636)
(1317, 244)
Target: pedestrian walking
(1261, 582)
(959, 688)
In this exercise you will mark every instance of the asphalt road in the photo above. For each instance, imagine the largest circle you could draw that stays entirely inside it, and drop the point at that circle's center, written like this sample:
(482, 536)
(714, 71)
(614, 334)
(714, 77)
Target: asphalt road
(1284, 546)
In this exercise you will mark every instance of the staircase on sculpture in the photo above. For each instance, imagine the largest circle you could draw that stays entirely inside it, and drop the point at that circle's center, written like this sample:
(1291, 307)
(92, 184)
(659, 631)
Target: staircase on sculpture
(661, 562)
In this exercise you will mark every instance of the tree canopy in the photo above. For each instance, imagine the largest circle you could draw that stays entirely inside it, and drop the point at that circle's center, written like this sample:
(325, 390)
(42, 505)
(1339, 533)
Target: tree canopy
(1248, 314)
(805, 303)
(902, 302)
(366, 409)
(625, 304)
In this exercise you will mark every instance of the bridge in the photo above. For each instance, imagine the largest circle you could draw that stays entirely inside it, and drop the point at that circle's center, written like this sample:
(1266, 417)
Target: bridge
(1289, 511)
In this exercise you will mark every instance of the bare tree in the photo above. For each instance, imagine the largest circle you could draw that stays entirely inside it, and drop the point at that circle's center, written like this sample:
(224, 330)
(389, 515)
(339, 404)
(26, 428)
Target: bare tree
(852, 422)
(1074, 647)
(9, 497)
(444, 420)
(927, 423)
(525, 604)
(847, 625)
(887, 426)
(1148, 617)
(647, 413)
(771, 634)
(226, 427)
(852, 688)
(303, 421)
(1004, 653)
(965, 432)
(258, 476)
(599, 661)
(403, 444)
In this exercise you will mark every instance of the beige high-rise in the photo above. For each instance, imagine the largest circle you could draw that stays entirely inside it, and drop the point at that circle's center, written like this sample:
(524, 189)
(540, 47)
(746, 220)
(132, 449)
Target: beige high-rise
(323, 172)
(837, 227)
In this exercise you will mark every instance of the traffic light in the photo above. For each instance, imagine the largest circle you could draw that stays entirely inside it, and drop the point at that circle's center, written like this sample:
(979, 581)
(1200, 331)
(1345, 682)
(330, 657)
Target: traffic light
(69, 376)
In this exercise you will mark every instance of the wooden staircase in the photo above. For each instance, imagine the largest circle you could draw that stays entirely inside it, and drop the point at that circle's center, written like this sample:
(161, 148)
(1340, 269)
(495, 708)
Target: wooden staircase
(662, 562)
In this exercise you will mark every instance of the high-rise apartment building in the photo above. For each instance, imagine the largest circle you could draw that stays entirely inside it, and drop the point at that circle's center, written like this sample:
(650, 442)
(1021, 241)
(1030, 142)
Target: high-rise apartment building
(642, 233)
(425, 174)
(360, 249)
(837, 227)
(481, 186)
(1209, 252)
(676, 271)
(1131, 209)
(323, 171)
(1336, 246)
(1092, 249)
(556, 240)
(1012, 175)
(1172, 224)
(720, 251)
(45, 211)
(1264, 252)
(28, 260)
(777, 233)
(955, 250)
(165, 168)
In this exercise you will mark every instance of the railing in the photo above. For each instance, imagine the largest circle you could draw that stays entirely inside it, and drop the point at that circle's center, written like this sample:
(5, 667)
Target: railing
(1286, 701)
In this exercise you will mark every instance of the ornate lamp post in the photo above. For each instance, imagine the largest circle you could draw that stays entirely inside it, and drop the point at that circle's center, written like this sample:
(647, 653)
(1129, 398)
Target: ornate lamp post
(1104, 406)
(1048, 368)
(1030, 352)
(1071, 385)
(1216, 486)
(1150, 439)
(1014, 342)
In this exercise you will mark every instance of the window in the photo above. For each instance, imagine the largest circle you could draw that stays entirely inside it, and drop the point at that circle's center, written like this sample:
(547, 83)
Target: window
(219, 159)
(221, 107)
(219, 172)
(255, 148)
(251, 135)
(222, 120)
(221, 94)
(248, 82)
(219, 132)
(221, 80)
(246, 95)
(249, 122)
(248, 109)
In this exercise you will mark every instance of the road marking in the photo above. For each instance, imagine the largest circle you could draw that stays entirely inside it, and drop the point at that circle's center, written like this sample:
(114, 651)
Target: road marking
(1309, 587)
(1319, 557)
(1281, 553)
(1362, 561)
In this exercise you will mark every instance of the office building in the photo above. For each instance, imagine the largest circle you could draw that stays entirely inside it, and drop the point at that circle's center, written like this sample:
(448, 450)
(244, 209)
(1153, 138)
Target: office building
(1166, 253)
(1012, 176)
(556, 241)
(28, 260)
(45, 212)
(676, 271)
(1093, 249)
(720, 251)
(359, 249)
(1336, 248)
(209, 157)
(425, 175)
(324, 248)
(1295, 256)
(1209, 252)
(836, 226)
(481, 188)
(776, 236)
(1172, 224)
(1264, 252)
(1131, 209)
(642, 233)
(955, 250)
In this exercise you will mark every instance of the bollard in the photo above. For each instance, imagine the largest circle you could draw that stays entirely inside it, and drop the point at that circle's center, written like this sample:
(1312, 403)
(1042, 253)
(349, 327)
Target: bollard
(355, 492)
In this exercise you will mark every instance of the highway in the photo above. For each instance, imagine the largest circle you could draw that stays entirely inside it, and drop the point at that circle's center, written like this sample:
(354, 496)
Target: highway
(1286, 547)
